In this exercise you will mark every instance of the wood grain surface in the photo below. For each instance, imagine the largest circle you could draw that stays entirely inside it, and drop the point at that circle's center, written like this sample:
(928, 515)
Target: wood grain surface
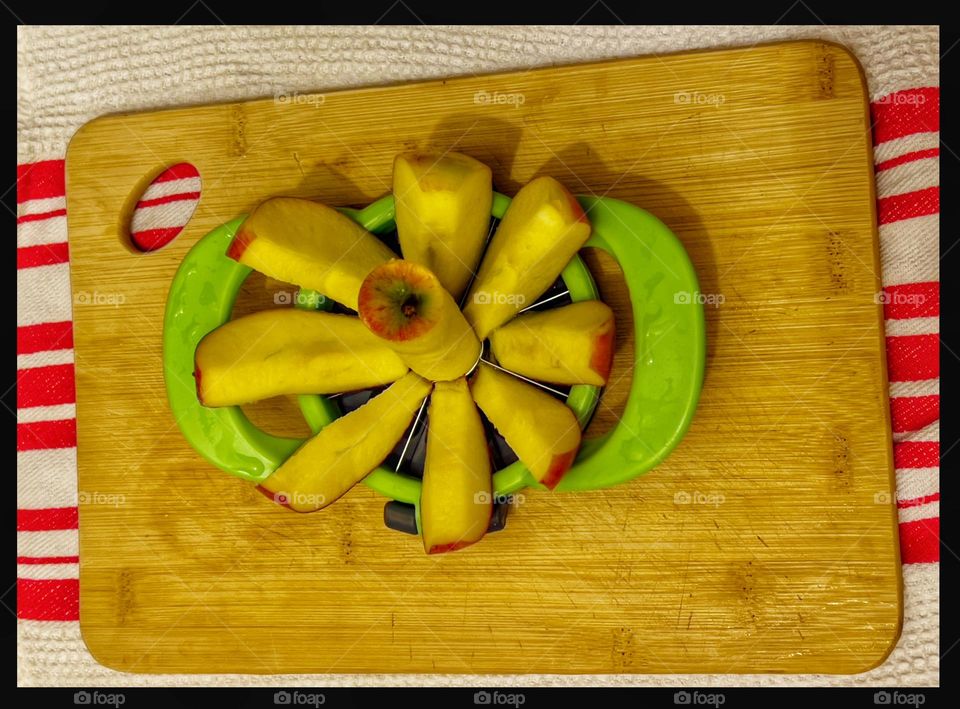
(765, 543)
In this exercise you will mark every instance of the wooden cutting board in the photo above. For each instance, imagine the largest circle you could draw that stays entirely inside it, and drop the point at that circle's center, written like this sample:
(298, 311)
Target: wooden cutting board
(767, 541)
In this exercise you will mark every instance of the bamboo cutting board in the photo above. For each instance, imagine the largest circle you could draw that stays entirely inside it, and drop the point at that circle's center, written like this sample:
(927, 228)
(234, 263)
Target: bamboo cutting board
(765, 543)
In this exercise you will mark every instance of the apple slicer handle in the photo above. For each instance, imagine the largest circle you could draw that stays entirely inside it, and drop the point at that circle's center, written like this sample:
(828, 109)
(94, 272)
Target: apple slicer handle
(669, 346)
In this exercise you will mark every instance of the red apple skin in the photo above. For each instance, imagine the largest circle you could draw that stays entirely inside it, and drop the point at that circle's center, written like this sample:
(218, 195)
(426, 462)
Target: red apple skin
(577, 209)
(272, 496)
(378, 318)
(196, 375)
(438, 344)
(602, 359)
(558, 467)
(453, 546)
(456, 546)
(240, 243)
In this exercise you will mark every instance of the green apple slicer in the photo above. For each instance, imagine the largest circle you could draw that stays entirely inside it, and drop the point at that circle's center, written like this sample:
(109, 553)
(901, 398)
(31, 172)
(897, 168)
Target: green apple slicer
(669, 354)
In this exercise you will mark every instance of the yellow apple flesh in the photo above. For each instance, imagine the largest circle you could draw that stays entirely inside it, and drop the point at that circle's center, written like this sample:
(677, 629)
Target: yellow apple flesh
(443, 205)
(543, 228)
(348, 449)
(568, 345)
(288, 351)
(542, 430)
(455, 502)
(309, 244)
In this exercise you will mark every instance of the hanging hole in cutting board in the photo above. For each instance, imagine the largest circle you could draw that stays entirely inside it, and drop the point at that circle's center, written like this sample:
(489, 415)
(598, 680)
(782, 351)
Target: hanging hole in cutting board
(161, 211)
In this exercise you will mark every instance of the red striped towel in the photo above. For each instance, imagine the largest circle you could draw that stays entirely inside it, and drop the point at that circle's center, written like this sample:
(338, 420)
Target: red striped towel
(47, 546)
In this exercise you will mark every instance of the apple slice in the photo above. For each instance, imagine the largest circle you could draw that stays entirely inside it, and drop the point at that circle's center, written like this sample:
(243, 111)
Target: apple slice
(443, 213)
(456, 499)
(568, 345)
(348, 449)
(309, 244)
(541, 430)
(404, 304)
(542, 230)
(288, 351)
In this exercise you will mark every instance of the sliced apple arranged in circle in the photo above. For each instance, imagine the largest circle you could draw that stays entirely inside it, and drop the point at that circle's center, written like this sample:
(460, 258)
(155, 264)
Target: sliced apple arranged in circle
(410, 336)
